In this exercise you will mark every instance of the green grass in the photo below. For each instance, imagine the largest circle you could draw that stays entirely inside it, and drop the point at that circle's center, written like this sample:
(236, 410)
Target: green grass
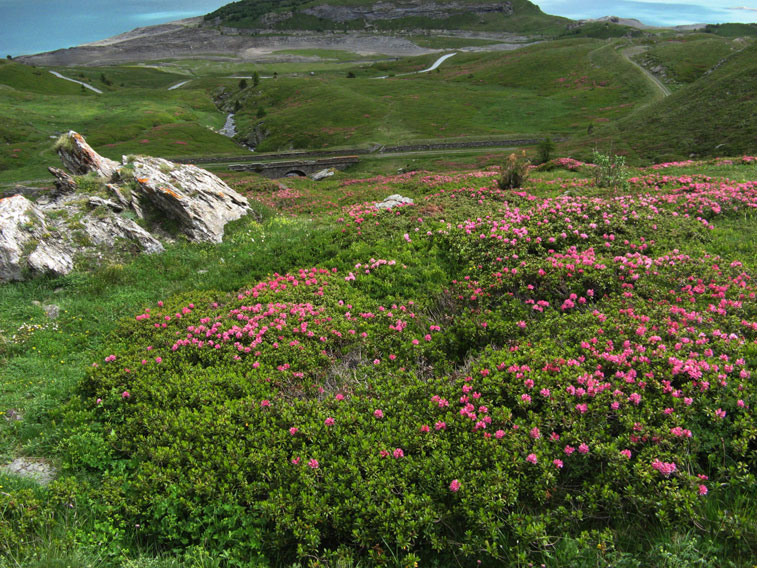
(711, 116)
(329, 54)
(142, 117)
(450, 42)
(34, 80)
(546, 89)
(732, 30)
(687, 59)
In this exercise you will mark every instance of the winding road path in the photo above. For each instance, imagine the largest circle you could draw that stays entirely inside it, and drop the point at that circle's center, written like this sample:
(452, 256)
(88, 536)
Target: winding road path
(629, 52)
(90, 87)
(436, 64)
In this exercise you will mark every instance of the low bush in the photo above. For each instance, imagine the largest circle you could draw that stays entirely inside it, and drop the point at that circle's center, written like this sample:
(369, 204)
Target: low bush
(568, 365)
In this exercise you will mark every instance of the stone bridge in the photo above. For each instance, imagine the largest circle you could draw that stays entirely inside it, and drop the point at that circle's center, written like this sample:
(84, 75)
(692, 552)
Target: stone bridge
(295, 167)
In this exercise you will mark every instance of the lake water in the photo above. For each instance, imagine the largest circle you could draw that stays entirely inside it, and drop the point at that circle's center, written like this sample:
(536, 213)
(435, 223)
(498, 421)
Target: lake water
(33, 26)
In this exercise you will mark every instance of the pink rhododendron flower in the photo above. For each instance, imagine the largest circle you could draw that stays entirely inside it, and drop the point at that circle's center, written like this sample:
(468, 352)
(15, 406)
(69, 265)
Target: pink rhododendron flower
(558, 463)
(378, 413)
(329, 421)
(531, 458)
(664, 468)
(454, 486)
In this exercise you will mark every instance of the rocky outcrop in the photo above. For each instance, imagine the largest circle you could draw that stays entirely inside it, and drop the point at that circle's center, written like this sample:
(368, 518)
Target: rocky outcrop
(79, 158)
(96, 220)
(200, 201)
(25, 242)
(391, 11)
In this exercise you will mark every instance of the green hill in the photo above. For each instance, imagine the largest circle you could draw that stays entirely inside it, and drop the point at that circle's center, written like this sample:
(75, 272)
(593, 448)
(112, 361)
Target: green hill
(551, 88)
(713, 115)
(322, 15)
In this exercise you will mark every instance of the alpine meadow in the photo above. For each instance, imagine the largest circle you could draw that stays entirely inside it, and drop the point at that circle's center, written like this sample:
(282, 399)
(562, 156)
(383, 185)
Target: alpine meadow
(348, 284)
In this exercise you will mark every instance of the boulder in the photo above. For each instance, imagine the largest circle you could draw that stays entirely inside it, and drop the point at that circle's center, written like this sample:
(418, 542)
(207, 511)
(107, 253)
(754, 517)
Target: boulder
(323, 174)
(50, 258)
(23, 245)
(80, 159)
(200, 201)
(64, 183)
(394, 201)
(106, 231)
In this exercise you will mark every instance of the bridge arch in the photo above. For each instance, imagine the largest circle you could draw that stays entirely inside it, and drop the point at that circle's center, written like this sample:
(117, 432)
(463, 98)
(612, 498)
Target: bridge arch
(295, 173)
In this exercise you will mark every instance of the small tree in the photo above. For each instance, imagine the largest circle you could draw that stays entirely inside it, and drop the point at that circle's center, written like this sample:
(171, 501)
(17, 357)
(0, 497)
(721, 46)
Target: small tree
(610, 171)
(350, 75)
(545, 149)
(514, 172)
(255, 78)
(260, 113)
(242, 84)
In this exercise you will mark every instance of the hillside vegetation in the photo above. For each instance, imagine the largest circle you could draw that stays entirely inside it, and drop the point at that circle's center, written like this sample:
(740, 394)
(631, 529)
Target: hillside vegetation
(554, 88)
(136, 114)
(713, 114)
(322, 15)
(559, 373)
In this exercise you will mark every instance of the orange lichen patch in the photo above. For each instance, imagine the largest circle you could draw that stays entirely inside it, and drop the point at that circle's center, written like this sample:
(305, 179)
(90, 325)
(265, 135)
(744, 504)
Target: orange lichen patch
(220, 194)
(170, 192)
(143, 180)
(78, 137)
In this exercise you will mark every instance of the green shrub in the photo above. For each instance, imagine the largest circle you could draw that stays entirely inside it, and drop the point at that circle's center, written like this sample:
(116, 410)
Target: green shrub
(610, 171)
(514, 171)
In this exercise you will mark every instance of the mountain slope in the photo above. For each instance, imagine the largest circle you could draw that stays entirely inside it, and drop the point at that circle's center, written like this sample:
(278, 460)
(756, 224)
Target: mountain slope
(319, 15)
(713, 115)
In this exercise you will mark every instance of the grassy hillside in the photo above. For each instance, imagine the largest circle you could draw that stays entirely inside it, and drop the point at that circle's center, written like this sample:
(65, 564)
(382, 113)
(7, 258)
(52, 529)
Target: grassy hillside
(556, 88)
(289, 15)
(686, 59)
(711, 115)
(136, 114)
(732, 30)
(558, 374)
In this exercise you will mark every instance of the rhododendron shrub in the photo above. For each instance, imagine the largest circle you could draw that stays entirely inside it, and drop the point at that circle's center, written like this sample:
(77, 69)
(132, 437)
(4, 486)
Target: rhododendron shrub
(575, 358)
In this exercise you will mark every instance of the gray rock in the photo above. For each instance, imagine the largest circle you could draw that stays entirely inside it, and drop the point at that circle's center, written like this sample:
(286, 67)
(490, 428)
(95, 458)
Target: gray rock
(79, 158)
(95, 201)
(394, 201)
(323, 174)
(50, 258)
(199, 200)
(37, 469)
(64, 183)
(46, 237)
(52, 311)
(13, 415)
(107, 230)
(21, 226)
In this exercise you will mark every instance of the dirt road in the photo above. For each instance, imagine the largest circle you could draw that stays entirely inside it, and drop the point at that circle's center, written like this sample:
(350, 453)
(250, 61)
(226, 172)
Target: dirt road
(629, 52)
